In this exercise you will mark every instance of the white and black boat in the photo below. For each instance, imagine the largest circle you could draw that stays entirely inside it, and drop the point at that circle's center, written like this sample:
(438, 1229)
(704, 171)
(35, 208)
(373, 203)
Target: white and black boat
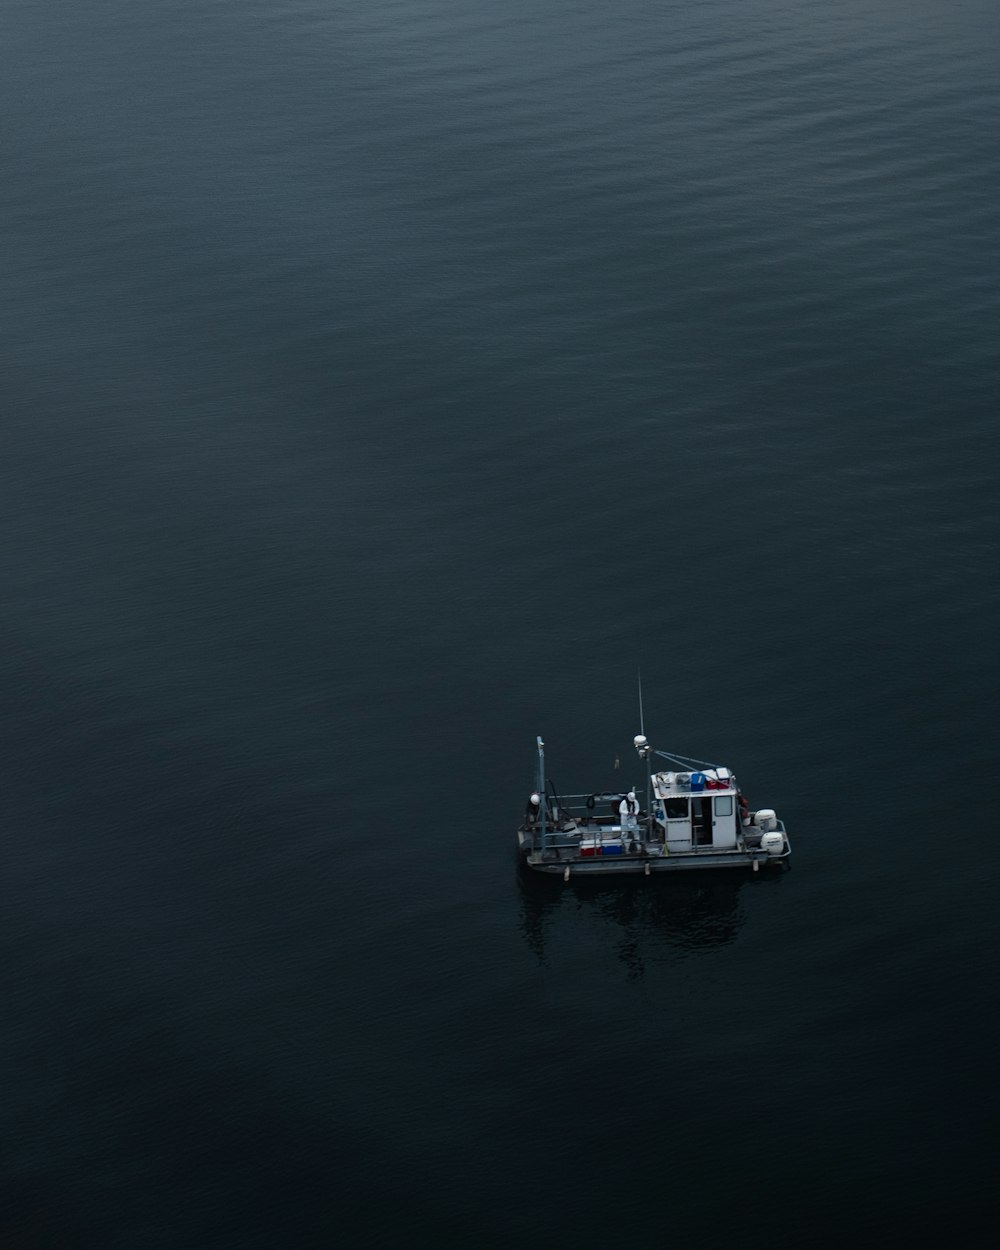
(692, 816)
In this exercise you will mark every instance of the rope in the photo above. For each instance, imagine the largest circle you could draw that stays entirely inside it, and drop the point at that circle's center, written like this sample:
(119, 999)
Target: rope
(684, 760)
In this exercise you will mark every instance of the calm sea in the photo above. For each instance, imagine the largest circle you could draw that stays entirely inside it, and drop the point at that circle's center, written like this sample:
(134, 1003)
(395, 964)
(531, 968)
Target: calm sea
(384, 383)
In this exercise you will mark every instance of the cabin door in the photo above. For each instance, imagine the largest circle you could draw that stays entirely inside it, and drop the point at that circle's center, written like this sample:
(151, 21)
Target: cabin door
(701, 819)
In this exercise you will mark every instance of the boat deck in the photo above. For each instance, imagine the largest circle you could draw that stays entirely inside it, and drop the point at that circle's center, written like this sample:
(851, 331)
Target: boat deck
(621, 850)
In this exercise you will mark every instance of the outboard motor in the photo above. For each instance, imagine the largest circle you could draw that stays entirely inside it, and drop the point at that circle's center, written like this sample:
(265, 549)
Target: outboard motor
(771, 840)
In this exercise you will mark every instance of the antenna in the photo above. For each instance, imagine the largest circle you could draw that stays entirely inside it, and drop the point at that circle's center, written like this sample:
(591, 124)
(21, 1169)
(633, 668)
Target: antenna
(640, 741)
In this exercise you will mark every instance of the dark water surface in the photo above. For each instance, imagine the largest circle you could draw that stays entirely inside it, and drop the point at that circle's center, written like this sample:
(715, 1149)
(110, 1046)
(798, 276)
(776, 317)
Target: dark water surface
(382, 384)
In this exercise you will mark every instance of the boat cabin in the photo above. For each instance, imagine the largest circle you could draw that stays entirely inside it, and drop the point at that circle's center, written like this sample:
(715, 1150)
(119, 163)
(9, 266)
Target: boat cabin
(696, 809)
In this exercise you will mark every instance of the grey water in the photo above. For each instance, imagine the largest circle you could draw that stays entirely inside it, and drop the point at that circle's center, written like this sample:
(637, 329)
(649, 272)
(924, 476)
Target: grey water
(385, 384)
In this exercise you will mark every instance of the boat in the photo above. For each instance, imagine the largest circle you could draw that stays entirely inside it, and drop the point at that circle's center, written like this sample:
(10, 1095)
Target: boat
(692, 816)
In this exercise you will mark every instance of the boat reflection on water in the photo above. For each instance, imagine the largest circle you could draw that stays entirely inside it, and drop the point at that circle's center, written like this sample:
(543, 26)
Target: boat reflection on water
(640, 919)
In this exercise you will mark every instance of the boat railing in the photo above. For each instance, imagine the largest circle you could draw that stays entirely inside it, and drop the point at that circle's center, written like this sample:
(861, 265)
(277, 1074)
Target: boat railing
(589, 803)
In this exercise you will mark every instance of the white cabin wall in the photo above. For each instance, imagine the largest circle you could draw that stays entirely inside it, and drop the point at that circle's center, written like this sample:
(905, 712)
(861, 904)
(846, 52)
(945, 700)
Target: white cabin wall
(724, 830)
(679, 834)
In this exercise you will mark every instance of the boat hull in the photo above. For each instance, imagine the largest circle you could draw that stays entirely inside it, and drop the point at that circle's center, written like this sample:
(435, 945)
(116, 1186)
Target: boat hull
(568, 864)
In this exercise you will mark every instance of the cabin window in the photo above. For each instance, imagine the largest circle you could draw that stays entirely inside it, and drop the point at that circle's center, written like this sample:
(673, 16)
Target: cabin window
(724, 805)
(677, 809)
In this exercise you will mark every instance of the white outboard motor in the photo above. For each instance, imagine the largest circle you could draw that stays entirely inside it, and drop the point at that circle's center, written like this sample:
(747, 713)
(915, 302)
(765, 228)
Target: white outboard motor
(770, 840)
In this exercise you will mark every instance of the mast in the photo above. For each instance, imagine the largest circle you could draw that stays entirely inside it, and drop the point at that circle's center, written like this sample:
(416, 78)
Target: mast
(541, 793)
(649, 766)
(644, 750)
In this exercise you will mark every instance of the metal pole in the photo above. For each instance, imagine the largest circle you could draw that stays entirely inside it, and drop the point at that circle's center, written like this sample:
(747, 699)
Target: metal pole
(541, 792)
(649, 763)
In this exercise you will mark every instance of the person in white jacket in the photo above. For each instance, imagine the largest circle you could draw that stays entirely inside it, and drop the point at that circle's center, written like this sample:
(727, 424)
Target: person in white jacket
(628, 810)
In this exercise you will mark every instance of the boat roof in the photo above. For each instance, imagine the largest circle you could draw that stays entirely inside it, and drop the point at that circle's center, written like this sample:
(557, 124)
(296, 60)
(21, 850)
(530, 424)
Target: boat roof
(709, 781)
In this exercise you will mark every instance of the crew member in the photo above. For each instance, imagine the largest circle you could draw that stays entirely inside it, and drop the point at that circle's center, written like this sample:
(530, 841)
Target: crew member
(628, 810)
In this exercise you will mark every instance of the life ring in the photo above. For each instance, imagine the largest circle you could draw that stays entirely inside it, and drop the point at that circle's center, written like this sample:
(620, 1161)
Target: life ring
(591, 802)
